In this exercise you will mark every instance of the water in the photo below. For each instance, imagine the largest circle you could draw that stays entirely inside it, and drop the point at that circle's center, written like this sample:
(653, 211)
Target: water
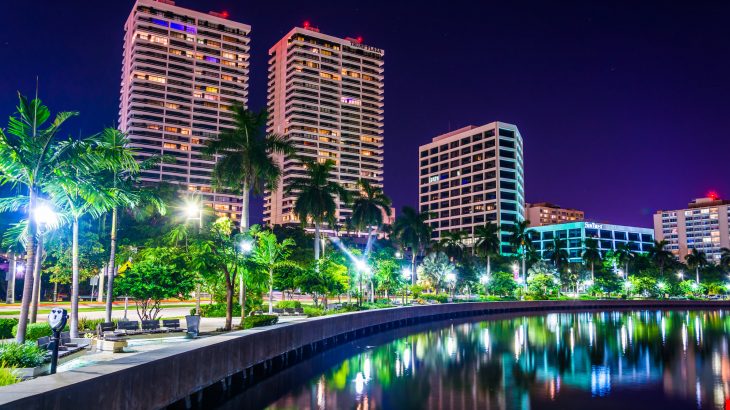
(600, 360)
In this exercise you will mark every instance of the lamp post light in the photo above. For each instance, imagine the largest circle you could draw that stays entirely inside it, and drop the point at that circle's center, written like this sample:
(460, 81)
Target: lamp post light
(193, 211)
(246, 249)
(681, 275)
(406, 275)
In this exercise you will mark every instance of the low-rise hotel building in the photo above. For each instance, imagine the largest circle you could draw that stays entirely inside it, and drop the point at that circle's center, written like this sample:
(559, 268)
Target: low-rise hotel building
(545, 213)
(182, 71)
(472, 176)
(574, 234)
(703, 225)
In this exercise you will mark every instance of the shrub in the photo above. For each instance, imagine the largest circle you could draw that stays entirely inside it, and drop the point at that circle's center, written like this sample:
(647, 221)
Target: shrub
(6, 328)
(438, 297)
(8, 376)
(217, 310)
(260, 320)
(312, 311)
(27, 354)
(289, 304)
(35, 331)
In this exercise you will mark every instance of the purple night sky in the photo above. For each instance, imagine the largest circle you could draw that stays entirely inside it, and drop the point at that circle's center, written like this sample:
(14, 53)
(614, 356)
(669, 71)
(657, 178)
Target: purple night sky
(624, 105)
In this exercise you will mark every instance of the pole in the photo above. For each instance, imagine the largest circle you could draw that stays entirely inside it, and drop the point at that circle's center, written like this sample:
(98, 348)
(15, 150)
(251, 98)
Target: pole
(126, 305)
(11, 280)
(54, 356)
(35, 298)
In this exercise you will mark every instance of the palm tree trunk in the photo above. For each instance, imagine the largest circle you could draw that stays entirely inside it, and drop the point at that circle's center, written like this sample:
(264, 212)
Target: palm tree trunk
(524, 272)
(36, 281)
(29, 268)
(243, 305)
(697, 274)
(229, 305)
(593, 278)
(489, 265)
(197, 298)
(102, 277)
(316, 240)
(271, 290)
(111, 266)
(74, 323)
(245, 199)
(413, 266)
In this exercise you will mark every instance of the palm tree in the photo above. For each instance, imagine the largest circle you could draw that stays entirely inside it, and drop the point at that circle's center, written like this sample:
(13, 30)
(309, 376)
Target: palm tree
(452, 244)
(435, 267)
(368, 209)
(316, 195)
(28, 154)
(624, 254)
(412, 231)
(269, 252)
(246, 163)
(558, 254)
(75, 187)
(696, 260)
(120, 177)
(520, 241)
(488, 242)
(591, 255)
(659, 255)
(725, 258)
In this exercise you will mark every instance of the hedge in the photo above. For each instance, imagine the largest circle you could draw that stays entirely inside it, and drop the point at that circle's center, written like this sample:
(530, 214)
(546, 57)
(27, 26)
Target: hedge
(260, 320)
(6, 327)
(289, 304)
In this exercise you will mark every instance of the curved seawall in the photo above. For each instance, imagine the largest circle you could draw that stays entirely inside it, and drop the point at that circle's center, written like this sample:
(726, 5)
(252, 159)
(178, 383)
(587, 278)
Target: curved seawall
(182, 374)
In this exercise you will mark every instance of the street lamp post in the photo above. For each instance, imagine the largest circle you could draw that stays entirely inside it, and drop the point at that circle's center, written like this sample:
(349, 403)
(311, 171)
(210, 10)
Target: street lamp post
(246, 249)
(406, 274)
(194, 210)
(451, 279)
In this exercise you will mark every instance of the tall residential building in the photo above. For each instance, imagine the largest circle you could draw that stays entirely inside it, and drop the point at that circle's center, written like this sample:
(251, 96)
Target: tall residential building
(472, 176)
(545, 213)
(326, 97)
(574, 234)
(182, 72)
(703, 225)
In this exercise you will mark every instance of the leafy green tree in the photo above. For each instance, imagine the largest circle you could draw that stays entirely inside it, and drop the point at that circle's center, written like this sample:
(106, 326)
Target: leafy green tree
(268, 253)
(316, 195)
(386, 270)
(542, 285)
(434, 268)
(411, 231)
(691, 288)
(488, 242)
(368, 209)
(159, 274)
(246, 162)
(502, 284)
(591, 255)
(285, 276)
(696, 260)
(725, 258)
(644, 285)
(324, 278)
(29, 152)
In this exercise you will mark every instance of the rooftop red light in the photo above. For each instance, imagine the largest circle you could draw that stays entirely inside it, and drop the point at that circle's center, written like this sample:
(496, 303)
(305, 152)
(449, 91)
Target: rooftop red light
(306, 24)
(359, 39)
(224, 13)
(713, 195)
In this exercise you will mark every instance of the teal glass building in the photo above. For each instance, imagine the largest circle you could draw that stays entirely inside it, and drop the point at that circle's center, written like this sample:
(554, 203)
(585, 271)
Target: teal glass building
(574, 234)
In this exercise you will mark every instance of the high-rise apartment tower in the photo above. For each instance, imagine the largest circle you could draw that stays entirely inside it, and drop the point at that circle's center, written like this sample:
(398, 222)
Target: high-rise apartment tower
(326, 97)
(182, 72)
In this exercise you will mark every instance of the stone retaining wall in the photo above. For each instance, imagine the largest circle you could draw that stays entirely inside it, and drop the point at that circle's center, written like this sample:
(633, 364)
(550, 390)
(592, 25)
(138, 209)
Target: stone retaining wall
(179, 374)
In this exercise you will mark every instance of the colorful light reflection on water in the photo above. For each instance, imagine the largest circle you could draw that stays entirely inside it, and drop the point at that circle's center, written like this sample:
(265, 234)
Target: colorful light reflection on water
(660, 359)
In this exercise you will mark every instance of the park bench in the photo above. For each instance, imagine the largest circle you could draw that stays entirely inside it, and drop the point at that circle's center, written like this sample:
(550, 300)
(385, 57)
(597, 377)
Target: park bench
(128, 327)
(299, 311)
(278, 311)
(152, 326)
(290, 311)
(172, 325)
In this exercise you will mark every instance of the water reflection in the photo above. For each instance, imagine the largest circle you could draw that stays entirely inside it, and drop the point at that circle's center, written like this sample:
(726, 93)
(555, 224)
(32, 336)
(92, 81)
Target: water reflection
(567, 360)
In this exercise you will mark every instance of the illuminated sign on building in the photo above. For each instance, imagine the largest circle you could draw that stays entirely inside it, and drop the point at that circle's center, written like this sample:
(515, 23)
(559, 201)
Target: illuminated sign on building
(366, 48)
(593, 225)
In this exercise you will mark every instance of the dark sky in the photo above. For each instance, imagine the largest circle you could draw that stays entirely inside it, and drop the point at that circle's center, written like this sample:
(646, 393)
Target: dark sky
(624, 105)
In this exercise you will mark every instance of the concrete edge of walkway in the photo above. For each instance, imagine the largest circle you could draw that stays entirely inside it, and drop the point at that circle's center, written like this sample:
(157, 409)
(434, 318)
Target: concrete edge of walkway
(159, 378)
